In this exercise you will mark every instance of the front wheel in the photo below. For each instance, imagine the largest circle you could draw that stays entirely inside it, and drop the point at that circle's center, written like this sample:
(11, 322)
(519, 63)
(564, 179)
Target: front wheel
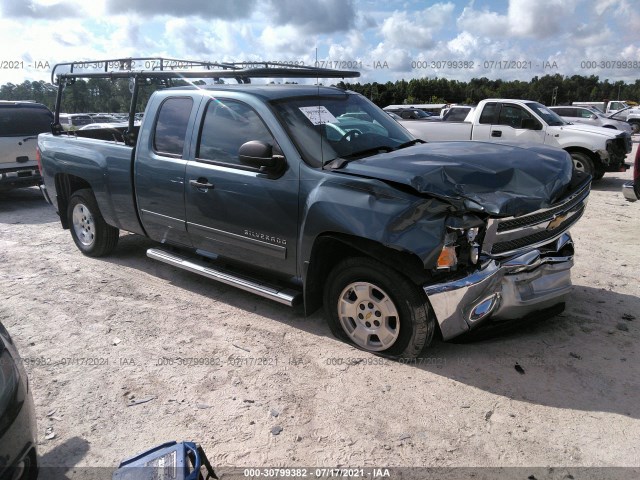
(582, 163)
(91, 234)
(635, 127)
(377, 309)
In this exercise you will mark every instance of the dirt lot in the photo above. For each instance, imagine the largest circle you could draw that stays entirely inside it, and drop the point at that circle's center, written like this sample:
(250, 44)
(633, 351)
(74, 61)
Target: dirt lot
(124, 353)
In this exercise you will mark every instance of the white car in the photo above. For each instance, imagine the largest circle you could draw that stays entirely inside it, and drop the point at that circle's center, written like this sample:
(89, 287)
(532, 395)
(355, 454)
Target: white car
(591, 116)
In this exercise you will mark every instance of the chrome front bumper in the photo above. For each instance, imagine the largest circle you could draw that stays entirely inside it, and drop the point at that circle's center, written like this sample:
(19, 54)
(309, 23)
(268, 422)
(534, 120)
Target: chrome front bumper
(629, 192)
(504, 289)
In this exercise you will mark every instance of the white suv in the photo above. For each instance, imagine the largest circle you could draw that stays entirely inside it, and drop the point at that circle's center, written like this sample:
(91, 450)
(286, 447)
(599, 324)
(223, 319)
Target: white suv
(20, 124)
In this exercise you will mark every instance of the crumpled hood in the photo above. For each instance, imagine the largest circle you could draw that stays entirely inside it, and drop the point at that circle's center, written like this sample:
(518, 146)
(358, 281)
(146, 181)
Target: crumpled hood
(503, 180)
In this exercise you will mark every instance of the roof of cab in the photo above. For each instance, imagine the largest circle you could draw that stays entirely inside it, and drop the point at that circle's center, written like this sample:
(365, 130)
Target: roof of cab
(268, 91)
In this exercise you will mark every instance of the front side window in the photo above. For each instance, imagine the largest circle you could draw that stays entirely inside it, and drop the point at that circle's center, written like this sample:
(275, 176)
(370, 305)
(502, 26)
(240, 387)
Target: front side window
(171, 126)
(227, 125)
(513, 115)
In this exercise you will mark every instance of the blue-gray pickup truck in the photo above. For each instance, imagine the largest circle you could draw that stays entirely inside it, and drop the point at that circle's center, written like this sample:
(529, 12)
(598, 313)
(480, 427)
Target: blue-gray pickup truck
(312, 195)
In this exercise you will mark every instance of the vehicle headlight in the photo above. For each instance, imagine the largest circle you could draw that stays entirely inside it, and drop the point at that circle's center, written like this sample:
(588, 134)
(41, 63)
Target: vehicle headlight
(460, 246)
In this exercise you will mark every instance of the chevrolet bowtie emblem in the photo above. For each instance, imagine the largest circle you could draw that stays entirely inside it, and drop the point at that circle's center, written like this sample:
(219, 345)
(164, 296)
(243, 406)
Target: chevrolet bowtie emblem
(556, 221)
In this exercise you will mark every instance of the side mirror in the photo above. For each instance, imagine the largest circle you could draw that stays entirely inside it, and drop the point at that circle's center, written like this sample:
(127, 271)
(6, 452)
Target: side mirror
(530, 124)
(260, 155)
(593, 117)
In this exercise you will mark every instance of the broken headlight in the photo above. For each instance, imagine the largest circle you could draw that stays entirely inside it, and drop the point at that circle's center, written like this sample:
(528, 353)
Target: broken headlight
(461, 248)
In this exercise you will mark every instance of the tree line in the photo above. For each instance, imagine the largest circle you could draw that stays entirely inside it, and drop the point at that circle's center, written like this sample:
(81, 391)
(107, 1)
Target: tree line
(102, 95)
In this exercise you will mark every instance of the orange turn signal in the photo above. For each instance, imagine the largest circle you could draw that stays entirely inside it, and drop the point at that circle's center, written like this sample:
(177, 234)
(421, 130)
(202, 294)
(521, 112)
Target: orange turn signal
(447, 258)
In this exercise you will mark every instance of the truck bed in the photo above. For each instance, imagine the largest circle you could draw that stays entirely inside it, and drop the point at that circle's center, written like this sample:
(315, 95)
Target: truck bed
(106, 165)
(438, 131)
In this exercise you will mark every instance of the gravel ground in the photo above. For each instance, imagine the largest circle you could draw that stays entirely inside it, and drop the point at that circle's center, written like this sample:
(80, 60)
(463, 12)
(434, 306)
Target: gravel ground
(124, 353)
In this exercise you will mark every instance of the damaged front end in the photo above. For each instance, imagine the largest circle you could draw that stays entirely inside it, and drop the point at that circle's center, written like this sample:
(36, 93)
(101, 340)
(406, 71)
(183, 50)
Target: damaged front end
(522, 263)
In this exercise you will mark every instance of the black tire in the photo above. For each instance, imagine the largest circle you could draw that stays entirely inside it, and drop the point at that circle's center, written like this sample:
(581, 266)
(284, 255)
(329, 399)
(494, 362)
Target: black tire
(583, 163)
(91, 234)
(598, 175)
(635, 127)
(381, 291)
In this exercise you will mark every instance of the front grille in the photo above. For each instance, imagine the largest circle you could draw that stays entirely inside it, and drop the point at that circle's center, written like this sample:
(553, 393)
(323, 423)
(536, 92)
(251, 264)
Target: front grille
(545, 215)
(506, 236)
(620, 146)
(540, 237)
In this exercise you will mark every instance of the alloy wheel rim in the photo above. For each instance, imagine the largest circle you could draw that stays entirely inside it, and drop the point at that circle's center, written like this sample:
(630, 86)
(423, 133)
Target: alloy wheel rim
(83, 224)
(368, 316)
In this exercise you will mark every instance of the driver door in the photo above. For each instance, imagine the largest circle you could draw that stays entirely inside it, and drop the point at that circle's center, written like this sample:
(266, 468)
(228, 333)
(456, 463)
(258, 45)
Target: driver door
(516, 125)
(233, 210)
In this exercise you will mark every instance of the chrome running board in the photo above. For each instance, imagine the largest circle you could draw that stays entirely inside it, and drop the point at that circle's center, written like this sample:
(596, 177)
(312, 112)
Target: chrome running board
(285, 296)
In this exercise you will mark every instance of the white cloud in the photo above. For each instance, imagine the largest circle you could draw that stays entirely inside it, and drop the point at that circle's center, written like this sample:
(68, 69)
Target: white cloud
(417, 29)
(284, 40)
(524, 19)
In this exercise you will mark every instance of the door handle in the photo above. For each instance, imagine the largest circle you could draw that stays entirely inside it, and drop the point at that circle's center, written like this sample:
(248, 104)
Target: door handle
(201, 183)
(496, 133)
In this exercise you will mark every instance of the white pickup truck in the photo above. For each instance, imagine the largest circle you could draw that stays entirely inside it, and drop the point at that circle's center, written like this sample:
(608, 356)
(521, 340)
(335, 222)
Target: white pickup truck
(594, 150)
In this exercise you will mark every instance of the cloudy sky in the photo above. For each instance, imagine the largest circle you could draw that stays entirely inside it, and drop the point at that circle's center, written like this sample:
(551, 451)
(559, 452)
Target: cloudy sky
(385, 40)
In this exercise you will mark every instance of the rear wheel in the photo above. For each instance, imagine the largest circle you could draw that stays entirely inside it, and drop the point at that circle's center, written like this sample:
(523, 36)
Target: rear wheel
(635, 127)
(377, 309)
(91, 234)
(582, 163)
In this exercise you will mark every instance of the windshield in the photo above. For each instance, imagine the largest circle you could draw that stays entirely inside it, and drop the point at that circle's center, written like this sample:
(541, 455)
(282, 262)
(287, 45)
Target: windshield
(344, 125)
(552, 118)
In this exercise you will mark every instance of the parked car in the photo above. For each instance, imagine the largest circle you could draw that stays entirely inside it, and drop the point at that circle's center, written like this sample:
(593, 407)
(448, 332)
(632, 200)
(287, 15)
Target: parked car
(631, 115)
(594, 150)
(394, 237)
(18, 433)
(73, 121)
(409, 113)
(20, 124)
(631, 189)
(590, 116)
(607, 108)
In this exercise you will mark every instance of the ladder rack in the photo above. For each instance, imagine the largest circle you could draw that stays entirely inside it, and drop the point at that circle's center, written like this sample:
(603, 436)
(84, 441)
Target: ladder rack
(141, 70)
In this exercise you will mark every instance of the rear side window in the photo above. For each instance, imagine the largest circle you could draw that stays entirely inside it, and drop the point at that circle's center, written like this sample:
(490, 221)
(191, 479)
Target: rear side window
(171, 126)
(18, 121)
(457, 114)
(227, 125)
(488, 113)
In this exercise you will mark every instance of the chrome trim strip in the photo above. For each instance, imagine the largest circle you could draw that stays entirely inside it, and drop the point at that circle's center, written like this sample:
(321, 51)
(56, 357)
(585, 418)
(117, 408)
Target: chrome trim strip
(165, 220)
(249, 243)
(281, 295)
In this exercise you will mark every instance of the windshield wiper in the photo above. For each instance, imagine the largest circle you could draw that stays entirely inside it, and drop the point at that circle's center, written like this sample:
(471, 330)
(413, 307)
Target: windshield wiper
(340, 162)
(409, 143)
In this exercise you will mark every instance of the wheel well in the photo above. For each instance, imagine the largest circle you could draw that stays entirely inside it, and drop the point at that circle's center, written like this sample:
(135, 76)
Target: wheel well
(329, 249)
(609, 126)
(594, 158)
(66, 185)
